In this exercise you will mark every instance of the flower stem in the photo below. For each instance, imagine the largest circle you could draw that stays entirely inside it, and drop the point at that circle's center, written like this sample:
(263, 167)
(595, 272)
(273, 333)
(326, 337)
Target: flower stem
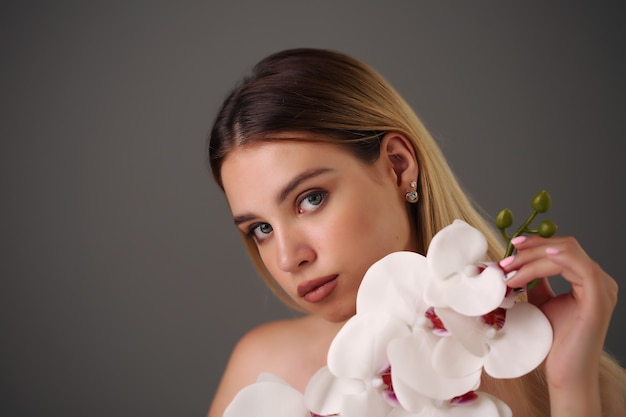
(523, 228)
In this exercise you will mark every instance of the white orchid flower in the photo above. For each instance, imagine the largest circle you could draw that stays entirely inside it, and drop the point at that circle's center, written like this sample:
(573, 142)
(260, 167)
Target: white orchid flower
(474, 404)
(356, 381)
(460, 280)
(391, 336)
(509, 342)
(425, 329)
(270, 396)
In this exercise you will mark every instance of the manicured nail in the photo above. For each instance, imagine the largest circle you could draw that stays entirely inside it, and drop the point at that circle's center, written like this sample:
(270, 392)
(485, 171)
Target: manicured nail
(517, 240)
(507, 261)
(552, 251)
(510, 275)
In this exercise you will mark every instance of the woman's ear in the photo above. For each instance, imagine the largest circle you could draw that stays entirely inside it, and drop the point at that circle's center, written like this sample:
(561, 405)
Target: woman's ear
(397, 151)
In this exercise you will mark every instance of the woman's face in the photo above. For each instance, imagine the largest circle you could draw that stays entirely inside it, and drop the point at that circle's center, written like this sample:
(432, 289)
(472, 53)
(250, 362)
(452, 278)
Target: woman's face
(319, 217)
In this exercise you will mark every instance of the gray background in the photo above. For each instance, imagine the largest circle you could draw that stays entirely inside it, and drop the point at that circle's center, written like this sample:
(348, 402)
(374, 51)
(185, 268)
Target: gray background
(123, 284)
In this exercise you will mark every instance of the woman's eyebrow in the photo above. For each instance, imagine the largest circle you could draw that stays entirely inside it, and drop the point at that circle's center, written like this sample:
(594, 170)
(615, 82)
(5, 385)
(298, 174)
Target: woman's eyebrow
(291, 185)
(243, 218)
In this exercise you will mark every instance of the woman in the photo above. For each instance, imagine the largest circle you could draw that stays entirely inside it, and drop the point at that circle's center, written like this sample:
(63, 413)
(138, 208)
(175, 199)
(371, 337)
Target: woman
(326, 169)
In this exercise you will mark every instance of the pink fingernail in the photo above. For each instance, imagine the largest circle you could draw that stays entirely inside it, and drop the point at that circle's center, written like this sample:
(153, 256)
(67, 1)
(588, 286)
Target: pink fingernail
(517, 240)
(507, 261)
(552, 251)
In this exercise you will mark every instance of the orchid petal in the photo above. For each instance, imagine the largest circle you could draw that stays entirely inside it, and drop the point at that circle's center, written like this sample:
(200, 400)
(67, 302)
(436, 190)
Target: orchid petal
(368, 403)
(436, 293)
(359, 349)
(452, 359)
(478, 295)
(454, 247)
(468, 331)
(455, 280)
(259, 400)
(411, 361)
(484, 405)
(324, 393)
(393, 285)
(424, 412)
(521, 345)
(510, 298)
(503, 408)
(409, 399)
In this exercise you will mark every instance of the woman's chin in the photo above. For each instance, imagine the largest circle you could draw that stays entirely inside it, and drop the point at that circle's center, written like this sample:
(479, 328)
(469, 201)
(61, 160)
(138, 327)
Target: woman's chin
(338, 316)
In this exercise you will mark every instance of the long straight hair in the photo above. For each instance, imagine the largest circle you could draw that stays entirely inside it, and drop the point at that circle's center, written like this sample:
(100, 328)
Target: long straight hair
(347, 102)
(351, 105)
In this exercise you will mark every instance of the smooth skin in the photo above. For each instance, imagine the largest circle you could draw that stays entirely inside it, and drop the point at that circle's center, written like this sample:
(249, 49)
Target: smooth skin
(313, 208)
(309, 239)
(316, 211)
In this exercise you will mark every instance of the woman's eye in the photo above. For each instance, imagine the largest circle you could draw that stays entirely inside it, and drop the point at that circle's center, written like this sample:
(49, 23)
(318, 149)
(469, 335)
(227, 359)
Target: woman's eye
(259, 231)
(311, 201)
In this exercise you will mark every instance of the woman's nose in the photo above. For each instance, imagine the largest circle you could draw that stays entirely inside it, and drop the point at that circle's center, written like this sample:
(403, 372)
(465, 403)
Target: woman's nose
(294, 251)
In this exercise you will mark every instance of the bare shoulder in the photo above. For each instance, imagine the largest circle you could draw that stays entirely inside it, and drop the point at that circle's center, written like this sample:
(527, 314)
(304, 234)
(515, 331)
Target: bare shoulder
(292, 349)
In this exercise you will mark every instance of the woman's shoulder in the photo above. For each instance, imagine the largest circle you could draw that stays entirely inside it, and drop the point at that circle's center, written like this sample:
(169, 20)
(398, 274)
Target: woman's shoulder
(285, 348)
(266, 340)
(278, 345)
(275, 329)
(284, 335)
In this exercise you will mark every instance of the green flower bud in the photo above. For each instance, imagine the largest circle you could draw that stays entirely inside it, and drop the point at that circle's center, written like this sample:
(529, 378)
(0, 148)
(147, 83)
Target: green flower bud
(541, 202)
(547, 228)
(504, 219)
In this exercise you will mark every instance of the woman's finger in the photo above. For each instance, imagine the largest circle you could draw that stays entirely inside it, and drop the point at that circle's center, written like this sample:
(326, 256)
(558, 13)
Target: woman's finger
(541, 293)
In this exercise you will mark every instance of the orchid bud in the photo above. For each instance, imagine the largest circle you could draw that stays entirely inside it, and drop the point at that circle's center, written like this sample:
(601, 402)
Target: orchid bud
(504, 219)
(541, 202)
(547, 228)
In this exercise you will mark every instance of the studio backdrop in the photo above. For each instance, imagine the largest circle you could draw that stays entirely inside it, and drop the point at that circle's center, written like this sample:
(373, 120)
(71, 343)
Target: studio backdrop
(123, 283)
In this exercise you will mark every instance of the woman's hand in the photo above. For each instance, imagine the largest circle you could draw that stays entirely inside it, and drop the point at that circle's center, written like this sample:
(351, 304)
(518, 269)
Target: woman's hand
(579, 318)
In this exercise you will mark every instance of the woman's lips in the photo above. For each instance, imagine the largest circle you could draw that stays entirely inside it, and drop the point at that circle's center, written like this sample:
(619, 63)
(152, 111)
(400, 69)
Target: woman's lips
(317, 289)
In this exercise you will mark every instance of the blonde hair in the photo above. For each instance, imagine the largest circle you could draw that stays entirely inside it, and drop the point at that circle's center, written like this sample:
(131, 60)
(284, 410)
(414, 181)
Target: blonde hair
(350, 104)
(328, 92)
